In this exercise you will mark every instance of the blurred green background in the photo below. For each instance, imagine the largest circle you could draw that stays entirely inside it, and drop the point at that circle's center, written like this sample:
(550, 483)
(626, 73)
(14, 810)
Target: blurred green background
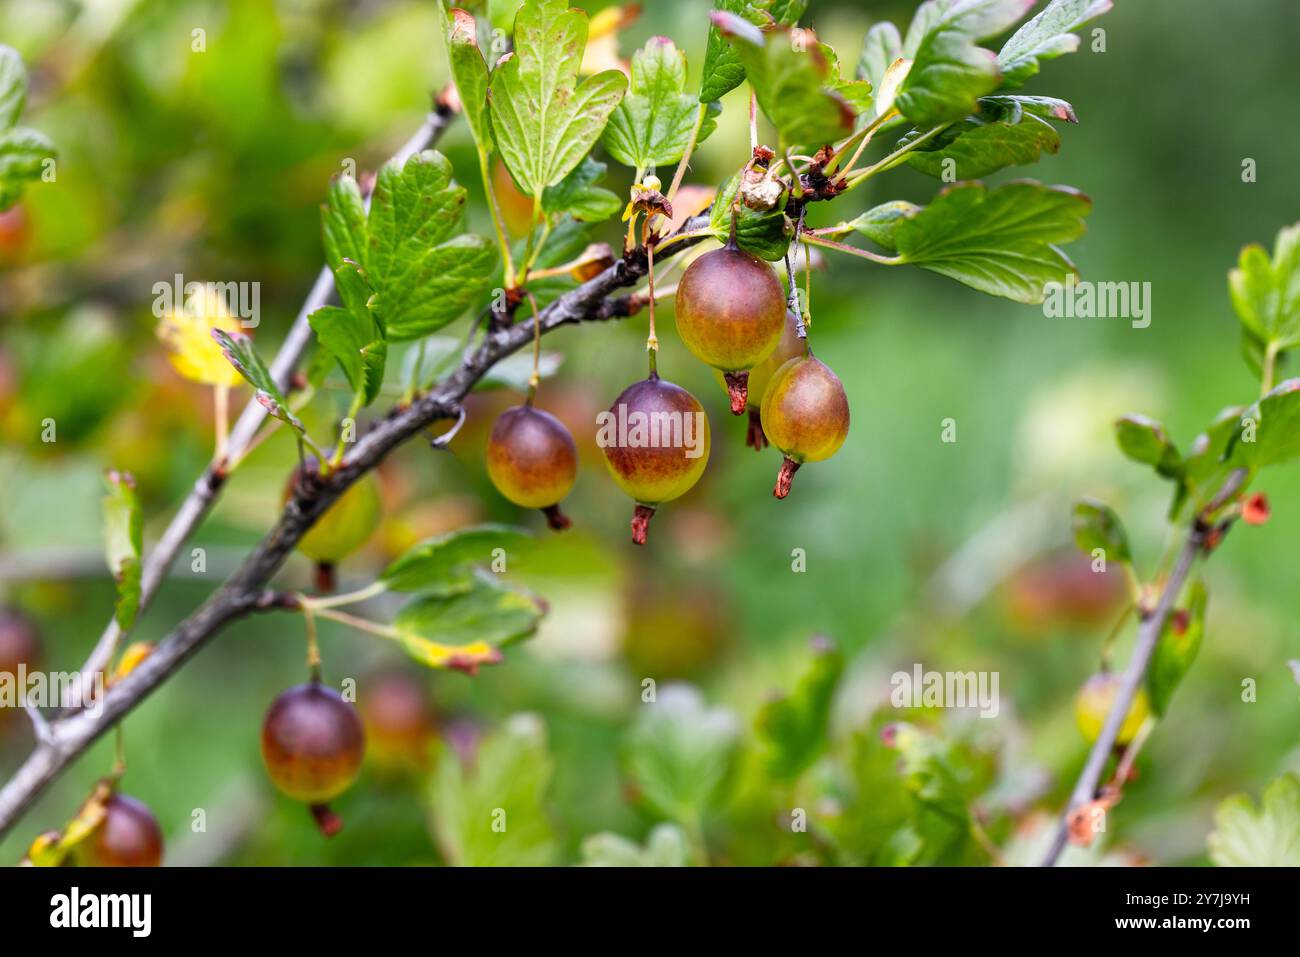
(954, 555)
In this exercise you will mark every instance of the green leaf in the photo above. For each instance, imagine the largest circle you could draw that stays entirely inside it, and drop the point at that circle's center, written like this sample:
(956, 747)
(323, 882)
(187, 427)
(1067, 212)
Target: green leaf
(681, 755)
(1146, 441)
(1176, 650)
(950, 72)
(240, 353)
(978, 146)
(353, 335)
(470, 74)
(1266, 293)
(880, 49)
(1267, 836)
(1097, 526)
(940, 818)
(794, 726)
(1009, 107)
(666, 846)
(1276, 437)
(765, 233)
(795, 80)
(1045, 37)
(545, 121)
(1206, 465)
(13, 86)
(424, 273)
(123, 540)
(468, 628)
(578, 195)
(445, 564)
(343, 223)
(653, 124)
(1001, 241)
(723, 70)
(23, 153)
(493, 812)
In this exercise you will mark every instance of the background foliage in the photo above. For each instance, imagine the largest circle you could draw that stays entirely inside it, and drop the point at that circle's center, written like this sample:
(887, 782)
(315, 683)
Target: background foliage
(214, 165)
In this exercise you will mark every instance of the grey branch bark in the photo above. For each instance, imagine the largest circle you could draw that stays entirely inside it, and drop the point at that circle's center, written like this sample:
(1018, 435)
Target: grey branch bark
(1085, 789)
(245, 590)
(199, 502)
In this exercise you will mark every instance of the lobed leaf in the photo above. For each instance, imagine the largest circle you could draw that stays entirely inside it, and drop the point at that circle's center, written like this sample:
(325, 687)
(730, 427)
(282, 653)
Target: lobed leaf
(465, 629)
(424, 273)
(1265, 292)
(1097, 526)
(950, 71)
(1145, 441)
(544, 120)
(653, 124)
(470, 74)
(681, 755)
(1265, 836)
(667, 846)
(579, 196)
(507, 781)
(1045, 37)
(977, 146)
(795, 80)
(1001, 241)
(723, 69)
(794, 726)
(445, 564)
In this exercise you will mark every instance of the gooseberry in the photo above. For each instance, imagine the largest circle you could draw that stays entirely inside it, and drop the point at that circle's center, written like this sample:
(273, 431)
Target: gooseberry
(656, 443)
(730, 313)
(128, 836)
(1093, 704)
(789, 347)
(805, 414)
(344, 527)
(533, 461)
(312, 745)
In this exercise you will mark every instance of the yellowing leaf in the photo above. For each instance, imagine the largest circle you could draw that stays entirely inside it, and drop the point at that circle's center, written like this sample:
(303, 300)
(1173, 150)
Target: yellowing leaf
(187, 333)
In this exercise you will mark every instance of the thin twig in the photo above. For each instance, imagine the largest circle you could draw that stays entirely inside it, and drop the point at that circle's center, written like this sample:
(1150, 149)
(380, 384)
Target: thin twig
(197, 504)
(244, 591)
(1149, 632)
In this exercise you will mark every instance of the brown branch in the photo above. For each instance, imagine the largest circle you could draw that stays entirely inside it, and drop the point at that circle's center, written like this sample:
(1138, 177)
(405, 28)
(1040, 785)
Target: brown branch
(1085, 789)
(245, 590)
(201, 498)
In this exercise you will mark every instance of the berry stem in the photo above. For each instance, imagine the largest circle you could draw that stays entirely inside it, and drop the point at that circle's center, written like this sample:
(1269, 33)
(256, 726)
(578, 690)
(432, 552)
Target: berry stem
(313, 647)
(755, 437)
(686, 156)
(652, 340)
(738, 390)
(785, 477)
(328, 822)
(641, 516)
(535, 379)
(556, 519)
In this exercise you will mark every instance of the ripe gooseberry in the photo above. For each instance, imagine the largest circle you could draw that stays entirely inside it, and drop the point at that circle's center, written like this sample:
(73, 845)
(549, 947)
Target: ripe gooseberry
(312, 745)
(789, 347)
(805, 414)
(656, 443)
(1093, 704)
(399, 721)
(128, 836)
(533, 461)
(346, 525)
(730, 313)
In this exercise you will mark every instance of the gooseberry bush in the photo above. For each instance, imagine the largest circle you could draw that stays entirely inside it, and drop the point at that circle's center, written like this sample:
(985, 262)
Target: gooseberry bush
(902, 788)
